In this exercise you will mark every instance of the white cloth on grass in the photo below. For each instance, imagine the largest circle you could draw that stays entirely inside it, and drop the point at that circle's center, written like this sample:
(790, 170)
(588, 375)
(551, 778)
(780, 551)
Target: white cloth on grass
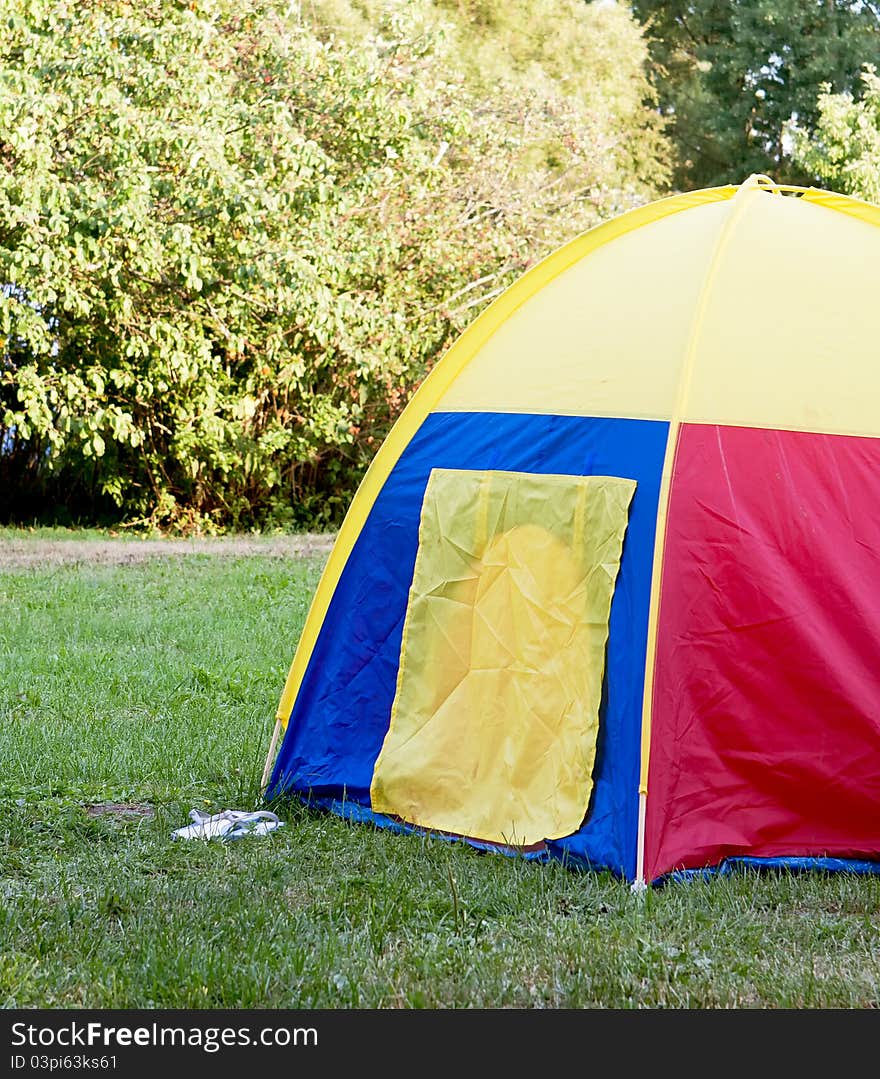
(230, 824)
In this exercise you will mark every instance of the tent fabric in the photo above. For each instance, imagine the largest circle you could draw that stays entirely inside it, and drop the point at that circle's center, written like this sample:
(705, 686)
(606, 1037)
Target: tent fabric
(494, 723)
(343, 708)
(857, 866)
(719, 349)
(654, 294)
(766, 731)
(785, 334)
(619, 322)
(435, 393)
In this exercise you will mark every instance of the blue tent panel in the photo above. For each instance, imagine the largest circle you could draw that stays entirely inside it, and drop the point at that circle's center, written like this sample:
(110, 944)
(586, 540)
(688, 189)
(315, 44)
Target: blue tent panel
(343, 707)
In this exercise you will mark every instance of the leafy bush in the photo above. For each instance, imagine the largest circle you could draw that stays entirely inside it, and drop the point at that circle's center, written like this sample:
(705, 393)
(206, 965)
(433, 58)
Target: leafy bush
(844, 149)
(233, 243)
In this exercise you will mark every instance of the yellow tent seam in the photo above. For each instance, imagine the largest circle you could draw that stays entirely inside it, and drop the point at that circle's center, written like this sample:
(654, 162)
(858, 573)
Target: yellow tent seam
(845, 204)
(684, 383)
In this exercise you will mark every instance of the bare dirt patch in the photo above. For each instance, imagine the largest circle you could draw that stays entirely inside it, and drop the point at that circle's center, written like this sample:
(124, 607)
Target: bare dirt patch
(40, 553)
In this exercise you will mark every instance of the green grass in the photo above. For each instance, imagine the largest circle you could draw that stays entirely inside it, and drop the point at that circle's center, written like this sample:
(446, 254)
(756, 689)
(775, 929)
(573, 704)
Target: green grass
(154, 684)
(60, 532)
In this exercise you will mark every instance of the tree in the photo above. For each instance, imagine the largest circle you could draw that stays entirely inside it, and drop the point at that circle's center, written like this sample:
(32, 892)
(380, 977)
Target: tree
(843, 149)
(233, 242)
(733, 76)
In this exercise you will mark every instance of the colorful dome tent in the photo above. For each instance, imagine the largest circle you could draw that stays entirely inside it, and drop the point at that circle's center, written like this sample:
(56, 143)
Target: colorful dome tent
(610, 590)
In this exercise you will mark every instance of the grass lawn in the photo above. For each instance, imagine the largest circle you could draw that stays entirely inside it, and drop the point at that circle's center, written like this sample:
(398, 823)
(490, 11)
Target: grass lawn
(150, 686)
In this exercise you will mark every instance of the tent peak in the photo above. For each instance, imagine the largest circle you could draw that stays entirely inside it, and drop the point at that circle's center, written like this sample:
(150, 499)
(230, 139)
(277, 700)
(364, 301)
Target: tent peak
(762, 182)
(759, 179)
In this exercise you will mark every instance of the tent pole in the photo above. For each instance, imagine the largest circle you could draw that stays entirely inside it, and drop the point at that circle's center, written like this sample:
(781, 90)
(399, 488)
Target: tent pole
(639, 884)
(676, 419)
(270, 757)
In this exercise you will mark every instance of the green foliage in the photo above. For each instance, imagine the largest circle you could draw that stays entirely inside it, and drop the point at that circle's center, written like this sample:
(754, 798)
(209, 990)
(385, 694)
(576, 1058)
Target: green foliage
(233, 241)
(844, 148)
(733, 76)
(587, 62)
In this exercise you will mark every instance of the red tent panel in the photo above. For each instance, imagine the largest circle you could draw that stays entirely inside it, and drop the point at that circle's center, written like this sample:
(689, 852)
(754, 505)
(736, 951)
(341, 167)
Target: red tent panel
(766, 714)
